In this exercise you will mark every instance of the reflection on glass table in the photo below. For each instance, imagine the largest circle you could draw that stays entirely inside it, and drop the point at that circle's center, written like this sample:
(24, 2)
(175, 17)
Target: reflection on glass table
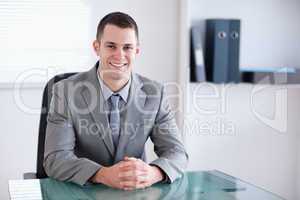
(201, 185)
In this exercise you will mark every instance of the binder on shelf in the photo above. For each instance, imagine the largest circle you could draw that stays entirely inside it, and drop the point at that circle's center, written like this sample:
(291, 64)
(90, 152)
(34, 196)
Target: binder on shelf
(270, 75)
(197, 70)
(234, 51)
(222, 40)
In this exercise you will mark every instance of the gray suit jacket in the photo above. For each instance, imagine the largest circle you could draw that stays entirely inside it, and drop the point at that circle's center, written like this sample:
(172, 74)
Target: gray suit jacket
(78, 136)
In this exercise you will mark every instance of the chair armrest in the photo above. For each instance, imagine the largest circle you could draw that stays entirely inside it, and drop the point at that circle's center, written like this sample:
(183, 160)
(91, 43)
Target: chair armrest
(29, 175)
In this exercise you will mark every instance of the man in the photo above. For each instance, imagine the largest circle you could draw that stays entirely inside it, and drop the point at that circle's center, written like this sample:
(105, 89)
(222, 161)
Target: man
(100, 120)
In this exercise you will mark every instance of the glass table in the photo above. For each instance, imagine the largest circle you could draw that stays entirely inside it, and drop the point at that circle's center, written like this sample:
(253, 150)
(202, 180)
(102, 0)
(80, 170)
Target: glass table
(200, 185)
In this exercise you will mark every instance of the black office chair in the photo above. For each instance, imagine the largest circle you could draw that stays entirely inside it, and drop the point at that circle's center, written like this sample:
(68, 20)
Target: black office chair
(47, 94)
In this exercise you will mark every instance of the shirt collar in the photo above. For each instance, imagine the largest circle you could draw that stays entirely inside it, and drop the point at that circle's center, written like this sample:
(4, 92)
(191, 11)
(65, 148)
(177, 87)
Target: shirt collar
(124, 92)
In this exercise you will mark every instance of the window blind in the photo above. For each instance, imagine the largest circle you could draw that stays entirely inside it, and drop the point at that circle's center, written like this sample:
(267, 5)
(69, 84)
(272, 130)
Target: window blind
(42, 34)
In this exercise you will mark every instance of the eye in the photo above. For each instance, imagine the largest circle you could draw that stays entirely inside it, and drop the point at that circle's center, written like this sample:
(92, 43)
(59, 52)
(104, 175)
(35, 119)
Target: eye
(110, 46)
(128, 48)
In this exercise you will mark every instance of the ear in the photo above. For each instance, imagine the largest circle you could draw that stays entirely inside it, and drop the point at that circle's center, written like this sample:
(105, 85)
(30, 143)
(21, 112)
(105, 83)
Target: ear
(96, 47)
(137, 51)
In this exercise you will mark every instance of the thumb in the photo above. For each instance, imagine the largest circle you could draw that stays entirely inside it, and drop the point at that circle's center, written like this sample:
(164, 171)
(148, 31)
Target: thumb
(130, 158)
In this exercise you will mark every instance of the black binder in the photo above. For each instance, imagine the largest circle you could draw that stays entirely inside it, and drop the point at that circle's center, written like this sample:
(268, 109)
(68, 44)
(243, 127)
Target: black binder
(222, 41)
(234, 51)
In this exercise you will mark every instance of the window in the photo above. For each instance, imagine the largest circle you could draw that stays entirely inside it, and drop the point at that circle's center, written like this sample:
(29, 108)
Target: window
(43, 35)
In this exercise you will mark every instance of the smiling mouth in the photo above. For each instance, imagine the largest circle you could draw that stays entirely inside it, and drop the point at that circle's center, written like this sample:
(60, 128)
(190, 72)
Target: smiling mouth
(118, 65)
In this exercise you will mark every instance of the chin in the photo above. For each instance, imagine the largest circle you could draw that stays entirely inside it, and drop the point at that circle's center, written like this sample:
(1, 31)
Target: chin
(117, 76)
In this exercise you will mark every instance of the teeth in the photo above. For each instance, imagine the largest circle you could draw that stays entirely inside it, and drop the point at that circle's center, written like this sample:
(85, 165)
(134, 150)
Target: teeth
(117, 64)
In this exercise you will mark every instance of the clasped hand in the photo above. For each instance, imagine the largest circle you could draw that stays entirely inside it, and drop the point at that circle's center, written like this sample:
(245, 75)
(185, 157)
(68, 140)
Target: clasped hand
(129, 174)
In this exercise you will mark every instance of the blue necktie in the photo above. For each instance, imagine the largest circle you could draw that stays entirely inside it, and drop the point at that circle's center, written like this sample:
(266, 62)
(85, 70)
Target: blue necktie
(114, 120)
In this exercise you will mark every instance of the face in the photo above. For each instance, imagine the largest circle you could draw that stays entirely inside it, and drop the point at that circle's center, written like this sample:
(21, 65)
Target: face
(116, 50)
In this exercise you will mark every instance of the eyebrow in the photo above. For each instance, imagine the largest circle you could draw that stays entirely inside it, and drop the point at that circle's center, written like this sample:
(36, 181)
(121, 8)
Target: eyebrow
(112, 43)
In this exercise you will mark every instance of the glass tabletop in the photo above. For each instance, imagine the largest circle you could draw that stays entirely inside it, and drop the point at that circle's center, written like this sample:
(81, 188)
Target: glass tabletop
(200, 185)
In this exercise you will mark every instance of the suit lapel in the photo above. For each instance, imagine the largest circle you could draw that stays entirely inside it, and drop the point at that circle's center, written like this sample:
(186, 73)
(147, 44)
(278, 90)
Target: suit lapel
(98, 112)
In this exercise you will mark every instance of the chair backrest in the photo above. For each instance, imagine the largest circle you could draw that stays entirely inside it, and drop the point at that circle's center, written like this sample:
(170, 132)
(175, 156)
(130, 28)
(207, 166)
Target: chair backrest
(47, 94)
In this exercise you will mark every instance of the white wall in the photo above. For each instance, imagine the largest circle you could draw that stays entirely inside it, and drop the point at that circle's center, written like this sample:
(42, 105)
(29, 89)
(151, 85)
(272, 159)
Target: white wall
(269, 37)
(158, 23)
(19, 130)
(269, 28)
(235, 137)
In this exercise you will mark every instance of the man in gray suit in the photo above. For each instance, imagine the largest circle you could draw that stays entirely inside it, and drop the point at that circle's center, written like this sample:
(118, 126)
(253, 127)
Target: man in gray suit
(100, 120)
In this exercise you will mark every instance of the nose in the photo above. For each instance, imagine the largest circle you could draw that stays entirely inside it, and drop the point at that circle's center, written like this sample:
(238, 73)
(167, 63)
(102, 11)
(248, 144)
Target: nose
(119, 53)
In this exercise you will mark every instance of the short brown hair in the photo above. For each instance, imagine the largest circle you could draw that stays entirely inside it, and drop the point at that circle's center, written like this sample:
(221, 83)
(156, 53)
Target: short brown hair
(119, 19)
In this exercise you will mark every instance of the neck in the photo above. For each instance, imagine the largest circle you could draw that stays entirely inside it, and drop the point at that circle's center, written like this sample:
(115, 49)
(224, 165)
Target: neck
(115, 85)
(112, 84)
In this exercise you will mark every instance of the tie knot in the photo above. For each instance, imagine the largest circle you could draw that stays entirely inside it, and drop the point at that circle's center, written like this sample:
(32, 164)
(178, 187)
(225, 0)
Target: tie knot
(115, 100)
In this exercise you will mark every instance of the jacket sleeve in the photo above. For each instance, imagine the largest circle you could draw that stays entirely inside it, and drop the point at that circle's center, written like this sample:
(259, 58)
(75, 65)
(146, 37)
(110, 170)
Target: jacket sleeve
(60, 162)
(168, 145)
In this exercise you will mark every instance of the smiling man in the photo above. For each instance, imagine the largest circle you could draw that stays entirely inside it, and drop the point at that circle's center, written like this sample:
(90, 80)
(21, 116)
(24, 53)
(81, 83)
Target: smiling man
(100, 120)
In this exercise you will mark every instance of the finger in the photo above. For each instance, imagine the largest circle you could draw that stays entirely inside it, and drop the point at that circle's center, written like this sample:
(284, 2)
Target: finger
(133, 165)
(126, 158)
(133, 169)
(145, 184)
(135, 172)
(130, 158)
(132, 175)
(133, 185)
(125, 164)
(121, 163)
